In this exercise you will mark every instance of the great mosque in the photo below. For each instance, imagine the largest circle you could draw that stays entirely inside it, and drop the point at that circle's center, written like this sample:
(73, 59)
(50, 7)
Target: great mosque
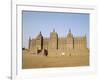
(58, 46)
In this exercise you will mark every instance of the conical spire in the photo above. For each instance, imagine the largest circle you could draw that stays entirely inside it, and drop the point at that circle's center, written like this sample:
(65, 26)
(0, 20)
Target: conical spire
(69, 30)
(39, 35)
(53, 30)
(54, 33)
(69, 33)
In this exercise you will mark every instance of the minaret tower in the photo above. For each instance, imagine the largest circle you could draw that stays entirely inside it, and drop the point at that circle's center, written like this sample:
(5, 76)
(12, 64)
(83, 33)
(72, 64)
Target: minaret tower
(53, 43)
(70, 40)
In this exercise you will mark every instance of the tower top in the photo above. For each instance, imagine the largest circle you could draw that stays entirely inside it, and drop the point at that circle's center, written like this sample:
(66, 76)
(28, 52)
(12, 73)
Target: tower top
(53, 30)
(39, 35)
(69, 33)
(53, 33)
(69, 30)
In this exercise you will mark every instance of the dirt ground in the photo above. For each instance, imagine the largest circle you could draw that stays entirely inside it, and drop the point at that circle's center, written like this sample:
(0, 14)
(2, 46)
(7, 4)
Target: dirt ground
(32, 61)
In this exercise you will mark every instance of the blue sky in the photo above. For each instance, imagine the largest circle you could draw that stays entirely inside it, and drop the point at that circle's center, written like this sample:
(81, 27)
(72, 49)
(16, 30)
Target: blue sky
(34, 22)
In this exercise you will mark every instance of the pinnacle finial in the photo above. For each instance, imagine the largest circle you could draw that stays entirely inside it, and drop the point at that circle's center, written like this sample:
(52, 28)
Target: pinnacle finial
(40, 32)
(53, 30)
(69, 30)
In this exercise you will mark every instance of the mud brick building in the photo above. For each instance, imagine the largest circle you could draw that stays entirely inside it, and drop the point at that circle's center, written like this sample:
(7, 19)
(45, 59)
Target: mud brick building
(58, 46)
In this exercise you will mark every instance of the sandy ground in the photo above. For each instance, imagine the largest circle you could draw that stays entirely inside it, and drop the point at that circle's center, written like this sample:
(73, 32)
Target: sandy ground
(33, 61)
